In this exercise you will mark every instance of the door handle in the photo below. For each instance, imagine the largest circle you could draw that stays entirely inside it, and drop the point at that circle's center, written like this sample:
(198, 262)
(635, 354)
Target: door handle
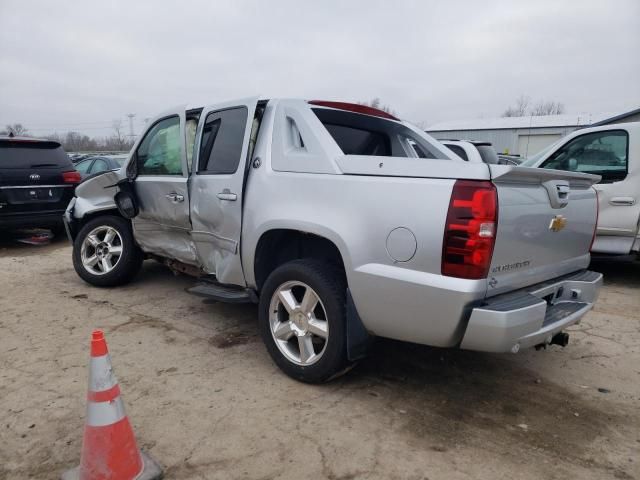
(623, 201)
(175, 197)
(227, 195)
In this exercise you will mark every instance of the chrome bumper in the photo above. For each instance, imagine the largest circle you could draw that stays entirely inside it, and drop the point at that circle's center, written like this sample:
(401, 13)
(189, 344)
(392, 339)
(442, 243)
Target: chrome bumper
(531, 316)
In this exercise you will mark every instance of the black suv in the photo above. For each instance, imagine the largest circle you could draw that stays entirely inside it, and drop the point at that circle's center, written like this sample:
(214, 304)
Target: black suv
(37, 181)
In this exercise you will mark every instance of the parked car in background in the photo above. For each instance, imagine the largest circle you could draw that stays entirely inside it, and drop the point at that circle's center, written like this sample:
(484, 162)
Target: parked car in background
(506, 159)
(343, 223)
(92, 165)
(477, 152)
(613, 152)
(36, 182)
(77, 157)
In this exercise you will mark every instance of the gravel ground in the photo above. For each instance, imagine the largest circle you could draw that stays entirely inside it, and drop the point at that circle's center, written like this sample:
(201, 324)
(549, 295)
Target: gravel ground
(205, 399)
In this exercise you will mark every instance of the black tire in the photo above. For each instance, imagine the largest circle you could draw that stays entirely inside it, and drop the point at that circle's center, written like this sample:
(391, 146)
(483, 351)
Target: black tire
(330, 286)
(127, 266)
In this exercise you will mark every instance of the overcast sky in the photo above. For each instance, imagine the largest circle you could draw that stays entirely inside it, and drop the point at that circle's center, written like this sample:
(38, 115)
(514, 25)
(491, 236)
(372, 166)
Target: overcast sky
(80, 65)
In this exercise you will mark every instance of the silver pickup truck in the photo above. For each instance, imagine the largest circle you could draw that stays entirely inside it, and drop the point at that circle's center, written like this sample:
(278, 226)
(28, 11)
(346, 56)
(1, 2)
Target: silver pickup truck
(343, 223)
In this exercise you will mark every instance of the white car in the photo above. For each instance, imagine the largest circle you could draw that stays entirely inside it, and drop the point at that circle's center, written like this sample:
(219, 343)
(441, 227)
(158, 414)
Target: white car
(475, 152)
(613, 152)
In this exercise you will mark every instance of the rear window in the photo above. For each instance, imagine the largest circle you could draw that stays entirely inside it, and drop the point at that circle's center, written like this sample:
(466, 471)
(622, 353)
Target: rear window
(18, 154)
(358, 134)
(358, 141)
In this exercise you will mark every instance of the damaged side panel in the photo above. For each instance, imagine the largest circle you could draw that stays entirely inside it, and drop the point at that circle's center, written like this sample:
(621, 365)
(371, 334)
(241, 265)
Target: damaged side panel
(161, 187)
(95, 194)
(165, 241)
(223, 142)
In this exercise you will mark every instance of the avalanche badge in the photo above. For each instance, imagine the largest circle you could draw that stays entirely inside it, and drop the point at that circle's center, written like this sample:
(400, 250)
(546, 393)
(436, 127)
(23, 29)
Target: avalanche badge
(557, 223)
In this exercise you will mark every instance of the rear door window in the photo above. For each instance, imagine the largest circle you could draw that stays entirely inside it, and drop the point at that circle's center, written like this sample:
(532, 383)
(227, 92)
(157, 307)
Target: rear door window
(84, 165)
(222, 140)
(100, 165)
(602, 153)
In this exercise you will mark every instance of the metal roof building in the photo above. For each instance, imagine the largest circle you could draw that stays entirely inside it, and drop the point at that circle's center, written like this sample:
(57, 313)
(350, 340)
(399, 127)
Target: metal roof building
(525, 136)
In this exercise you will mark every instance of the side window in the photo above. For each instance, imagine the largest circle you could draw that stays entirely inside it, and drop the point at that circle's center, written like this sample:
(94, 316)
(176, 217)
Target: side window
(602, 153)
(222, 139)
(83, 166)
(458, 150)
(99, 165)
(159, 153)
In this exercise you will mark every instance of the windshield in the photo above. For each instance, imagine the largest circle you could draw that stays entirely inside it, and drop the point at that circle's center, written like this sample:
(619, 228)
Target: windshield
(121, 159)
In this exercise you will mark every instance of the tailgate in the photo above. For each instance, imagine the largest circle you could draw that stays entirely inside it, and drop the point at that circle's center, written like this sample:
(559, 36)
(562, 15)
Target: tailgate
(546, 221)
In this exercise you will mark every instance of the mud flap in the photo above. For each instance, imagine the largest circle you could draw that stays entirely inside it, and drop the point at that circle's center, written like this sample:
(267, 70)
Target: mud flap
(358, 339)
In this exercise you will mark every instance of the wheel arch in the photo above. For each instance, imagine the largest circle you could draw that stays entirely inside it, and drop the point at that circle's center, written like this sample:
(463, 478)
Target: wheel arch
(80, 222)
(277, 246)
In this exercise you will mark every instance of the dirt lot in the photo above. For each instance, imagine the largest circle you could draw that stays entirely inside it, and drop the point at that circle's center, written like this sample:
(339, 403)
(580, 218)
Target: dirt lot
(205, 399)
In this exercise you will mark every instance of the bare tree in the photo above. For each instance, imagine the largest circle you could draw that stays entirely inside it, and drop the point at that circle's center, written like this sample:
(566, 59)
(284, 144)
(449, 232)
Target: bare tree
(547, 108)
(119, 138)
(519, 109)
(17, 129)
(522, 109)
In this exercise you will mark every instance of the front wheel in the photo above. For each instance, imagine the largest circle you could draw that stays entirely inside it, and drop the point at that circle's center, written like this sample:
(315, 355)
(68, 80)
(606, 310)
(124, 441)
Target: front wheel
(302, 320)
(104, 252)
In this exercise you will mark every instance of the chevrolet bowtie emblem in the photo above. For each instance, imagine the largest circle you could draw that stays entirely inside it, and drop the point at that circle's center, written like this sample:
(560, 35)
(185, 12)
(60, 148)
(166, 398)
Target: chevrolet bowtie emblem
(557, 223)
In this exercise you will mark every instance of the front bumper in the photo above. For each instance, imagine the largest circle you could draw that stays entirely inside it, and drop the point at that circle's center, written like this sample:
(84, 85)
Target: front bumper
(531, 316)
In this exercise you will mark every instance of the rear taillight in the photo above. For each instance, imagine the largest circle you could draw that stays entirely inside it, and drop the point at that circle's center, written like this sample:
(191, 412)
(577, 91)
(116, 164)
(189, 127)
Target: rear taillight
(470, 230)
(71, 177)
(595, 227)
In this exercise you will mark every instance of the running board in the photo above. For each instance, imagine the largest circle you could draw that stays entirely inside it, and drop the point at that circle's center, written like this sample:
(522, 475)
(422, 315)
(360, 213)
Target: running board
(215, 292)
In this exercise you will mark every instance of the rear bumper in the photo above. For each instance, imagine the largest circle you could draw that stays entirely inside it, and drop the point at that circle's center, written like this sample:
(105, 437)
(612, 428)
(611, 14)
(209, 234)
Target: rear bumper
(32, 219)
(531, 316)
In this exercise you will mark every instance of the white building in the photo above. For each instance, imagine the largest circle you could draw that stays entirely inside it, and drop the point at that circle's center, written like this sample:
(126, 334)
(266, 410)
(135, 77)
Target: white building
(524, 136)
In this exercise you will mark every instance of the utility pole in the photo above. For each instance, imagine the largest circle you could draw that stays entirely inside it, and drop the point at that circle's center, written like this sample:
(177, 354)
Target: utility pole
(131, 134)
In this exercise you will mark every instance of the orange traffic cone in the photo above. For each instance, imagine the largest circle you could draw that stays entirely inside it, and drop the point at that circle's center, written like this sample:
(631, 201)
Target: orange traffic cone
(109, 450)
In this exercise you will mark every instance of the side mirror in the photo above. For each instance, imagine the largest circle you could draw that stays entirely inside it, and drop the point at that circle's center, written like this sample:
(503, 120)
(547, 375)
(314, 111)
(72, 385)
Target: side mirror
(126, 200)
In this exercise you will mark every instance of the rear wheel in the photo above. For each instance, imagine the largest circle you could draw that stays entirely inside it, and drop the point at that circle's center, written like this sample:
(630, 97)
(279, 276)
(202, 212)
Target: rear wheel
(302, 320)
(104, 252)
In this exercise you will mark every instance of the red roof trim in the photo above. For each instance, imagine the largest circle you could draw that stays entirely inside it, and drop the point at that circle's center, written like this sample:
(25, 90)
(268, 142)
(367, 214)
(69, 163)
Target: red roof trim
(354, 107)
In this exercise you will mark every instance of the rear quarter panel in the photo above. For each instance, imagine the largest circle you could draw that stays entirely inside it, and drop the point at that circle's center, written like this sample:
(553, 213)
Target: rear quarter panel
(406, 300)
